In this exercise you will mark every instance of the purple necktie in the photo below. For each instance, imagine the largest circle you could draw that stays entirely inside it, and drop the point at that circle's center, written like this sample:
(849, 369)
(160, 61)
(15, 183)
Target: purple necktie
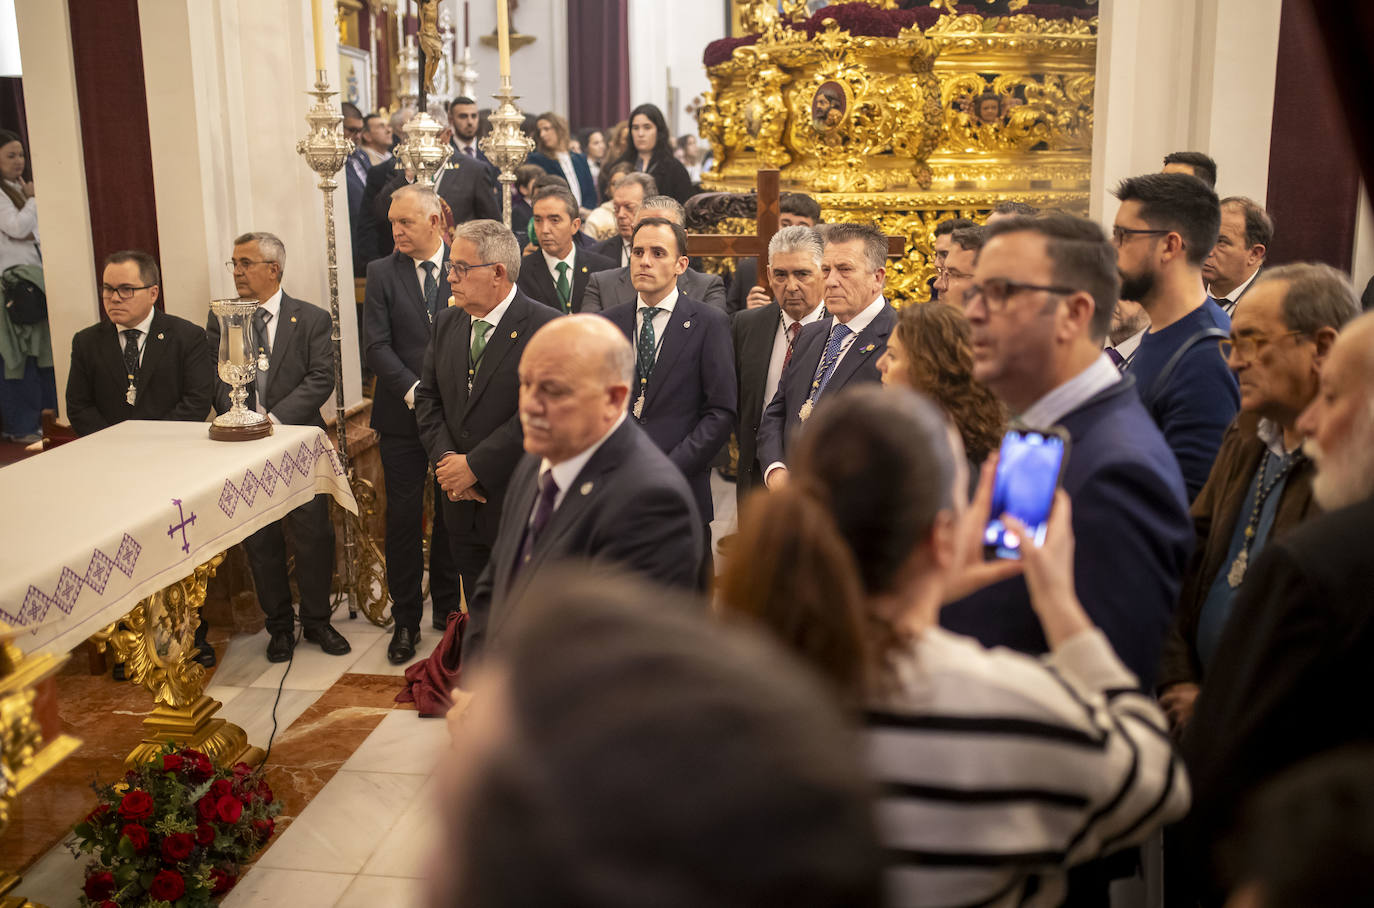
(548, 491)
(1117, 359)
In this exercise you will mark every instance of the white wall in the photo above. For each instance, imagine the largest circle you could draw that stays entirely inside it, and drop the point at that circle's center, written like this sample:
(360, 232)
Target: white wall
(666, 42)
(539, 71)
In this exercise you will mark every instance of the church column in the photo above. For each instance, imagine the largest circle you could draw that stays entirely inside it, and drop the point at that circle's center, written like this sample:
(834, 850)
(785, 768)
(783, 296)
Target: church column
(59, 173)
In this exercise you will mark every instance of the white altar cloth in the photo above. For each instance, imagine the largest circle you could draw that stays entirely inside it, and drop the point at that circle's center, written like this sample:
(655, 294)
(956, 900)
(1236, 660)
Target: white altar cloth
(97, 524)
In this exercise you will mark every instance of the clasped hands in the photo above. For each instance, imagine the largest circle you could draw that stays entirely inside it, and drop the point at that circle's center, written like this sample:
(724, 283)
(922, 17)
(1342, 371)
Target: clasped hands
(457, 479)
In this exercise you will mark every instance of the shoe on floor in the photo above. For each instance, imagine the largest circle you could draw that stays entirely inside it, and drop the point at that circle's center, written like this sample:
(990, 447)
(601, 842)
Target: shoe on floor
(402, 648)
(280, 646)
(328, 639)
(440, 623)
(205, 655)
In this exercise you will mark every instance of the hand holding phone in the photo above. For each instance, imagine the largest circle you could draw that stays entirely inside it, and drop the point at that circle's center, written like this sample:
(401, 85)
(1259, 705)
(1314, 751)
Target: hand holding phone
(1030, 465)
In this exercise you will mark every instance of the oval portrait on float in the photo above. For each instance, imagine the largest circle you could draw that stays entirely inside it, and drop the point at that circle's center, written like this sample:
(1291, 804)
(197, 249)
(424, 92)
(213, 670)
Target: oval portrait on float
(828, 107)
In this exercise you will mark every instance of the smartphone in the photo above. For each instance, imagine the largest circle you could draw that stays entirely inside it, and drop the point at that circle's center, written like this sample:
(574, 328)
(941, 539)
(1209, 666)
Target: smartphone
(1030, 467)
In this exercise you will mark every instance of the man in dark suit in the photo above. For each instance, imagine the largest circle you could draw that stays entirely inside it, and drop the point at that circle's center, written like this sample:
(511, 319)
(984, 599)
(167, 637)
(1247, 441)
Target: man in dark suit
(142, 364)
(626, 199)
(557, 274)
(294, 338)
(765, 335)
(839, 350)
(795, 209)
(403, 299)
(464, 185)
(684, 394)
(374, 150)
(463, 120)
(468, 396)
(1237, 259)
(593, 487)
(1300, 642)
(609, 289)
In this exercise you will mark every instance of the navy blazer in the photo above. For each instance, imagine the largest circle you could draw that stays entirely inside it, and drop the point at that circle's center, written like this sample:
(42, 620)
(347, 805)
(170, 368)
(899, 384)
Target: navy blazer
(536, 281)
(484, 424)
(690, 400)
(396, 331)
(176, 377)
(300, 377)
(608, 289)
(860, 364)
(629, 507)
(585, 184)
(1133, 538)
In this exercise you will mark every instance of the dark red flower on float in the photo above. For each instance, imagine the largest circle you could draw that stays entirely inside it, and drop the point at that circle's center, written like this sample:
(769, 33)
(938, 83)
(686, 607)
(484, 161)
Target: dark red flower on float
(95, 816)
(99, 885)
(172, 762)
(168, 886)
(242, 770)
(264, 791)
(221, 882)
(198, 765)
(220, 787)
(264, 828)
(205, 809)
(137, 835)
(136, 805)
(109, 904)
(205, 834)
(177, 846)
(229, 808)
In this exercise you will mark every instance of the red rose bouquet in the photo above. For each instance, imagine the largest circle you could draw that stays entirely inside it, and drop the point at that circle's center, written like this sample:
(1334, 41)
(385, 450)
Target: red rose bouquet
(175, 831)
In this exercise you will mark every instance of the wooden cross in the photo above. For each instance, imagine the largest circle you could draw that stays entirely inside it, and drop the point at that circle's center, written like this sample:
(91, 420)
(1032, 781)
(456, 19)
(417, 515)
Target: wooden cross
(766, 224)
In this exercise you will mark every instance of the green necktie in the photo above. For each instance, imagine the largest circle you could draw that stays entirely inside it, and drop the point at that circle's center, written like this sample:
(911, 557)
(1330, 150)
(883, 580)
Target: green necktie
(480, 330)
(564, 288)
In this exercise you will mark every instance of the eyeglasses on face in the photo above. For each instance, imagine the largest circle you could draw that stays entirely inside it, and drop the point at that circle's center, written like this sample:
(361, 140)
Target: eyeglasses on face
(952, 274)
(244, 264)
(1250, 345)
(123, 291)
(996, 291)
(1121, 234)
(460, 269)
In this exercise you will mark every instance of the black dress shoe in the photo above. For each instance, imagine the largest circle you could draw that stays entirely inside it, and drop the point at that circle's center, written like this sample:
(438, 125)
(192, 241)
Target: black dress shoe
(328, 639)
(402, 648)
(280, 646)
(205, 655)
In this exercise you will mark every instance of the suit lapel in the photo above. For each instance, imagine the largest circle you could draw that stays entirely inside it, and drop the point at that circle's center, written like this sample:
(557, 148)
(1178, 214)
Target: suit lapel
(410, 277)
(675, 338)
(624, 288)
(807, 361)
(758, 350)
(518, 506)
(281, 342)
(153, 349)
(580, 276)
(624, 318)
(544, 287)
(865, 347)
(503, 339)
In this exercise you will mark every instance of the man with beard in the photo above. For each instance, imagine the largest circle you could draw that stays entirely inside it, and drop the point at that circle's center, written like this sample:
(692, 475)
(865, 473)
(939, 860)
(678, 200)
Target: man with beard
(1300, 641)
(1166, 226)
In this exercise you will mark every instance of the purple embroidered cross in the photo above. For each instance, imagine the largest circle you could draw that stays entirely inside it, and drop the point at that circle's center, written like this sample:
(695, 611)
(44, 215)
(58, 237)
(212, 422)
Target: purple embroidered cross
(185, 522)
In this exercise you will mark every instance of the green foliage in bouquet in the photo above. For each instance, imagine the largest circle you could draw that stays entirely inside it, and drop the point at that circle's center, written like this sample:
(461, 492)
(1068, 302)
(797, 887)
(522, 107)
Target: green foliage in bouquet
(174, 833)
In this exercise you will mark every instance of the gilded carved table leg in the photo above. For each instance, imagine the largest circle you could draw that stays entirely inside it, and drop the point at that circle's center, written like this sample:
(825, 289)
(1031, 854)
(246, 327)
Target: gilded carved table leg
(155, 642)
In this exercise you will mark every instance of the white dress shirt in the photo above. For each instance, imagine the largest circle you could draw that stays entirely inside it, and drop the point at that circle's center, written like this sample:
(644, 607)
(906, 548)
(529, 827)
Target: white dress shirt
(143, 328)
(492, 318)
(1126, 349)
(570, 173)
(785, 323)
(1072, 394)
(624, 254)
(272, 306)
(667, 305)
(552, 264)
(1228, 302)
(438, 259)
(565, 473)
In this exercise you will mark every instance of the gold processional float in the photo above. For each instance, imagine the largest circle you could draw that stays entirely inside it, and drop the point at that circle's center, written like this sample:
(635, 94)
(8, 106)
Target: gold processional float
(899, 117)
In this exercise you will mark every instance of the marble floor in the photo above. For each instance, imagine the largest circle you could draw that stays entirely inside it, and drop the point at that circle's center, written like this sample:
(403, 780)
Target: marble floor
(354, 770)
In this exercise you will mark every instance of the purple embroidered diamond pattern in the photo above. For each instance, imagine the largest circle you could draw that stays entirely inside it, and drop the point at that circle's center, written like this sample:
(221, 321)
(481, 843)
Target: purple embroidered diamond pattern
(127, 556)
(68, 588)
(248, 489)
(334, 462)
(267, 478)
(304, 461)
(36, 605)
(288, 467)
(98, 571)
(228, 499)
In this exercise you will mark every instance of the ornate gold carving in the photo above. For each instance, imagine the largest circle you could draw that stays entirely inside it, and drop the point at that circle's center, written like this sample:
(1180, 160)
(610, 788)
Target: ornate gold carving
(368, 591)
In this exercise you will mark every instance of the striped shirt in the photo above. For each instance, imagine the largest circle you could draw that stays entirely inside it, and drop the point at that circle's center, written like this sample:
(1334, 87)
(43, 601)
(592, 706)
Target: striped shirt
(999, 770)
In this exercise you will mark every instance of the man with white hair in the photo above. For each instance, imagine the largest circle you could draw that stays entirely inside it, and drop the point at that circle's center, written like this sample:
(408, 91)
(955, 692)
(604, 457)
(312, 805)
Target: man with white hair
(1300, 642)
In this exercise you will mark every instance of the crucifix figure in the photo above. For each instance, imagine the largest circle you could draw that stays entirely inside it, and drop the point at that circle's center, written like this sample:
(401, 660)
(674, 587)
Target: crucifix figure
(765, 225)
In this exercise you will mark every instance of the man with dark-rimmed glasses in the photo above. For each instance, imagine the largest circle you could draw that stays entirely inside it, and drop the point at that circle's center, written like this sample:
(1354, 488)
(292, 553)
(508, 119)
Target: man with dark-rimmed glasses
(1039, 308)
(1165, 228)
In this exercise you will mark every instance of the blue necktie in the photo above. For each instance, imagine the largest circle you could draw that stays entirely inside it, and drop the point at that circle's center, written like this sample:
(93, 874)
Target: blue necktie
(830, 359)
(431, 289)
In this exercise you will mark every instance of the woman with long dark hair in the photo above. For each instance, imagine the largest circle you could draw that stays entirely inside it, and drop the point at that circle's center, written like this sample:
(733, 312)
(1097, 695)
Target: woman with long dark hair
(651, 151)
(27, 386)
(1000, 770)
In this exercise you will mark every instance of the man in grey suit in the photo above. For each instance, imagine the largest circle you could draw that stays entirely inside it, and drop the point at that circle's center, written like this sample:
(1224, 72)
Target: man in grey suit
(293, 339)
(608, 289)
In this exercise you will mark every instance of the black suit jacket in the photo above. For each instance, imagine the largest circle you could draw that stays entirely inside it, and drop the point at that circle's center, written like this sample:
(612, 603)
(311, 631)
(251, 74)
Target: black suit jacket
(745, 277)
(466, 189)
(536, 281)
(1292, 671)
(300, 374)
(690, 400)
(753, 332)
(860, 364)
(396, 331)
(611, 248)
(629, 508)
(483, 424)
(176, 378)
(608, 289)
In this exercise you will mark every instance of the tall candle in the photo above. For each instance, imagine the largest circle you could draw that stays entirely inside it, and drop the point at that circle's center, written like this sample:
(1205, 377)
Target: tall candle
(467, 27)
(503, 36)
(318, 26)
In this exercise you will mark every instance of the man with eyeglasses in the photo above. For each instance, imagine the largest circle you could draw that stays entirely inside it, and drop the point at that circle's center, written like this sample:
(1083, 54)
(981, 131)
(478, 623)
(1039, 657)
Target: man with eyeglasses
(295, 378)
(1261, 483)
(954, 275)
(404, 297)
(1165, 228)
(142, 363)
(1039, 309)
(467, 401)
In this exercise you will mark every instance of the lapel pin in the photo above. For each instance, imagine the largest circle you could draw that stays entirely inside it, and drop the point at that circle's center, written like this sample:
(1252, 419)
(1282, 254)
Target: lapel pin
(514, 335)
(293, 320)
(584, 269)
(586, 488)
(870, 348)
(687, 324)
(160, 335)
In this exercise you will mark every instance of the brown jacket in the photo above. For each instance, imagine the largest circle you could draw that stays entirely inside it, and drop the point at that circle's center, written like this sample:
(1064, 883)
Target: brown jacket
(1223, 500)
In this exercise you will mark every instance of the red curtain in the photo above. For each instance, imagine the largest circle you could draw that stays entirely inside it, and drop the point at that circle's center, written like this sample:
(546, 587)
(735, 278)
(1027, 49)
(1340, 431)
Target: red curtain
(598, 62)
